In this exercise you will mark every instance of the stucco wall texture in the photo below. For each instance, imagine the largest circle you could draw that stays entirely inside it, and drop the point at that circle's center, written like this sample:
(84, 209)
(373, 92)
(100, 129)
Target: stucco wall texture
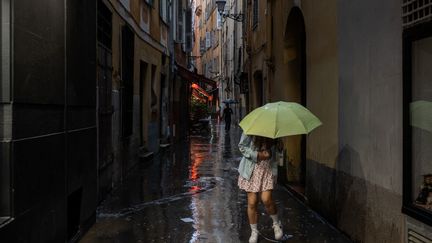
(354, 80)
(354, 85)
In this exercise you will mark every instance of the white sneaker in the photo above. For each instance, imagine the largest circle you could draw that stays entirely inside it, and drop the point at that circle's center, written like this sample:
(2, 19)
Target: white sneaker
(254, 237)
(277, 227)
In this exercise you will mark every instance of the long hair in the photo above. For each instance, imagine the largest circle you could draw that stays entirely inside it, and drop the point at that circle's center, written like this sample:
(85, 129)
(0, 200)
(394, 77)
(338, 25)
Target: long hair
(260, 142)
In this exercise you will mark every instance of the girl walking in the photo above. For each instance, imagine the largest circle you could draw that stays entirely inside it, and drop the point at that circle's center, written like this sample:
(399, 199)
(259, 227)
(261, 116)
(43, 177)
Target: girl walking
(258, 171)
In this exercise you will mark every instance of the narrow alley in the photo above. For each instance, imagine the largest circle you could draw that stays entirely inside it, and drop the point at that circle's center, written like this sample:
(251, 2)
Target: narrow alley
(189, 193)
(122, 121)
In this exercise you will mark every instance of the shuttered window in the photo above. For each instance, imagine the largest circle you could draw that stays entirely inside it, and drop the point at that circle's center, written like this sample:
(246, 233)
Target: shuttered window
(188, 46)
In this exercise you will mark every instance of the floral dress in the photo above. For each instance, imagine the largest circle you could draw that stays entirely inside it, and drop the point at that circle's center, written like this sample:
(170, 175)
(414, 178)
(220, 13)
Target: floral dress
(261, 180)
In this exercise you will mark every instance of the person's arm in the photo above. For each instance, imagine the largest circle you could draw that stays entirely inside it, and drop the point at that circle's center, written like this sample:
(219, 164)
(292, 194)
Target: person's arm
(245, 147)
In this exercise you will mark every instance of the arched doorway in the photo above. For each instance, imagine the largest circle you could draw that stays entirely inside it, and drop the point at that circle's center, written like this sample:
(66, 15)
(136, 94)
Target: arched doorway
(295, 56)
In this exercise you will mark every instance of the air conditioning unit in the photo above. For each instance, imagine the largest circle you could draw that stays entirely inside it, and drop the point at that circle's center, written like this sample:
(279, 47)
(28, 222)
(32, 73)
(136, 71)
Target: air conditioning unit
(417, 232)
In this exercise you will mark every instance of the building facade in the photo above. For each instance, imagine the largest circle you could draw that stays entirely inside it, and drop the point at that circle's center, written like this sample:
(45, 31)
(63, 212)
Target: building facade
(88, 89)
(232, 52)
(139, 87)
(48, 162)
(206, 51)
(345, 61)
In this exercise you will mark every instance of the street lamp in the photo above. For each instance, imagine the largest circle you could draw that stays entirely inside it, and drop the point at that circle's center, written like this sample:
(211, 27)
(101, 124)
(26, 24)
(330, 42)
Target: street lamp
(221, 7)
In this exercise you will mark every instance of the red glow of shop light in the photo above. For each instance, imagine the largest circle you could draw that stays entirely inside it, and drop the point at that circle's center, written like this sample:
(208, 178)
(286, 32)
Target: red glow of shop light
(199, 89)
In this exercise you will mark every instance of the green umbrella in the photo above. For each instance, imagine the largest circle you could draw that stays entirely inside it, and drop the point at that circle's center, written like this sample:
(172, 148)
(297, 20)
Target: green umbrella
(279, 119)
(421, 114)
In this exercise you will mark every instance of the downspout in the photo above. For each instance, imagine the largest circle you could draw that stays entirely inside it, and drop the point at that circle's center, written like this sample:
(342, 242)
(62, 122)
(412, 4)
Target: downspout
(248, 52)
(172, 75)
(236, 112)
(269, 53)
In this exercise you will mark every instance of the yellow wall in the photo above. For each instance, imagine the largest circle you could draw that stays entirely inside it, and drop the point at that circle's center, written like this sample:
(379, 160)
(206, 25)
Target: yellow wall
(143, 52)
(214, 51)
(151, 56)
(322, 78)
(321, 68)
(198, 34)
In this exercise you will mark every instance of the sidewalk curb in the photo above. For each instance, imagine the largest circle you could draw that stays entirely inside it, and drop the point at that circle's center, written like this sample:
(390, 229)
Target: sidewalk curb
(303, 201)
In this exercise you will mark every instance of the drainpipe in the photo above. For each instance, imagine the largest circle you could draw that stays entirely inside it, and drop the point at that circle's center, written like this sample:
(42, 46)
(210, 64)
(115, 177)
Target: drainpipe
(269, 57)
(236, 112)
(172, 72)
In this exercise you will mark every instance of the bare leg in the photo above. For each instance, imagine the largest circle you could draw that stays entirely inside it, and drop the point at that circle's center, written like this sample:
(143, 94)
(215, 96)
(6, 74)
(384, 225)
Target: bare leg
(267, 199)
(252, 207)
(271, 209)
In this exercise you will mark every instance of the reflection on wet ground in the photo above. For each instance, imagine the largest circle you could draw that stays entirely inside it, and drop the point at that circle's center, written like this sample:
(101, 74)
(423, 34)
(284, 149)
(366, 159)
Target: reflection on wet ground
(189, 193)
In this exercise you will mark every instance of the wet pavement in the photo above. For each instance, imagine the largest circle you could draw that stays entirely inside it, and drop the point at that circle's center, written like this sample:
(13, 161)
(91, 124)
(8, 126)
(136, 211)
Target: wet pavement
(189, 193)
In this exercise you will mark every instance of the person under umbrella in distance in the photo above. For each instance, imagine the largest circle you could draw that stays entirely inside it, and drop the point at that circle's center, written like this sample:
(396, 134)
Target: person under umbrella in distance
(227, 116)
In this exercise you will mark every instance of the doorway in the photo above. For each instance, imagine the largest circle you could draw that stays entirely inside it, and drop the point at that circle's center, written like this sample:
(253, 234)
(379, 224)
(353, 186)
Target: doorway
(259, 88)
(143, 77)
(104, 100)
(163, 103)
(295, 44)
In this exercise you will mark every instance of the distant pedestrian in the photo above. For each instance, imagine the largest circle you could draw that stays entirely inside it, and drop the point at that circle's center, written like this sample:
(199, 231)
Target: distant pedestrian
(227, 115)
(258, 171)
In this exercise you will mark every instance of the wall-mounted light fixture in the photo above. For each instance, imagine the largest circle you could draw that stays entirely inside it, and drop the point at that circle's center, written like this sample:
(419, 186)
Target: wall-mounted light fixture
(221, 9)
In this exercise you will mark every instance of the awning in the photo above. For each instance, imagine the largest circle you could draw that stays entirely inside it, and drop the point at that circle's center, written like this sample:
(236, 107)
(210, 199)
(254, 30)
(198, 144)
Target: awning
(194, 77)
(197, 89)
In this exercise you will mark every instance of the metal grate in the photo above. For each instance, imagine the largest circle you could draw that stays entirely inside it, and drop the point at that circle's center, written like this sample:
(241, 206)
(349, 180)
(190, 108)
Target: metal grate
(415, 237)
(416, 11)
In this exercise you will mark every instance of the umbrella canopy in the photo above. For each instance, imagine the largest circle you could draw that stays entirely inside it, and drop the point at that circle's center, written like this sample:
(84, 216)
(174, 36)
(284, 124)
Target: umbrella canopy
(230, 101)
(279, 119)
(421, 115)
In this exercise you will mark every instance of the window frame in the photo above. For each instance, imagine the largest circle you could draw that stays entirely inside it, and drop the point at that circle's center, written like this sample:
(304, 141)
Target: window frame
(410, 35)
(163, 11)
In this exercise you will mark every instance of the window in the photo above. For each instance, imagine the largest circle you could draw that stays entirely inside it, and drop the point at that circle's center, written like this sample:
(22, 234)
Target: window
(104, 25)
(145, 17)
(180, 23)
(219, 21)
(188, 27)
(416, 11)
(217, 67)
(255, 14)
(208, 39)
(417, 180)
(204, 69)
(163, 10)
(207, 11)
(202, 46)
